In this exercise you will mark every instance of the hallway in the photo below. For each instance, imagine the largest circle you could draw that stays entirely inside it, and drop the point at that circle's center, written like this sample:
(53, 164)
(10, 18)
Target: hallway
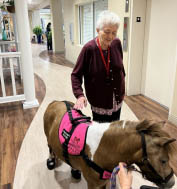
(50, 79)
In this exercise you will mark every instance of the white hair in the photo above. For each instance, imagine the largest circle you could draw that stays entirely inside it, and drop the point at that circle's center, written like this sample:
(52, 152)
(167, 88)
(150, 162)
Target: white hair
(107, 17)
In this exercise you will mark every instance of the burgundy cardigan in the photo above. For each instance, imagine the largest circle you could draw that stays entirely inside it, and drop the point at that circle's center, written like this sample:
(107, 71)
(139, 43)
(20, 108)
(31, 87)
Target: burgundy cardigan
(90, 66)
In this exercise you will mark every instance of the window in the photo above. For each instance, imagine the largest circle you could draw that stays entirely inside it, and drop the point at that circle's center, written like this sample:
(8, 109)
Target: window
(88, 15)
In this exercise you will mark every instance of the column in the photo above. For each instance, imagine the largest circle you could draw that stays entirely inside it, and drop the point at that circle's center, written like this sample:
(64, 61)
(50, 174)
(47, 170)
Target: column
(30, 16)
(57, 26)
(26, 54)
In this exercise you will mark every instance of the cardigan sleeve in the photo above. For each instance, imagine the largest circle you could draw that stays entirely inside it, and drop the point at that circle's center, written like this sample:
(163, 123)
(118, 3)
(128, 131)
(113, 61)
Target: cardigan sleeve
(78, 73)
(120, 49)
(121, 52)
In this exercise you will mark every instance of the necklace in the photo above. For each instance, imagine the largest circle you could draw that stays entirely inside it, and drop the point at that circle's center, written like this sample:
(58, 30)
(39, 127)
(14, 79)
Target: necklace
(107, 65)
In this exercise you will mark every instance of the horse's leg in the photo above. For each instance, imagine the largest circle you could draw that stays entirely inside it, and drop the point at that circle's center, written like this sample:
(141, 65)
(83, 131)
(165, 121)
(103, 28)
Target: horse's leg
(103, 187)
(90, 186)
(51, 161)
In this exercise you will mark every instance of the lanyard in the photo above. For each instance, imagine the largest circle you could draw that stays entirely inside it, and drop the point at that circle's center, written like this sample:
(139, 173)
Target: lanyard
(102, 56)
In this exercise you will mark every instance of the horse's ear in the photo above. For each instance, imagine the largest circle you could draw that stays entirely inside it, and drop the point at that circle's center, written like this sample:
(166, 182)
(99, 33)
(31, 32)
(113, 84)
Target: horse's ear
(143, 126)
(161, 123)
(149, 125)
(163, 141)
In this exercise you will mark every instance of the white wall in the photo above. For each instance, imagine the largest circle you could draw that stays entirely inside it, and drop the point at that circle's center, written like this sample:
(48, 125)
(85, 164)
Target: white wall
(161, 51)
(45, 14)
(136, 47)
(57, 26)
(72, 50)
(36, 21)
(173, 105)
(146, 43)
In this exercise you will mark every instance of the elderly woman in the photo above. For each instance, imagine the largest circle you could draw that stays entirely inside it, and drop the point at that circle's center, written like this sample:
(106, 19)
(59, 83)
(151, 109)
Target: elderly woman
(101, 64)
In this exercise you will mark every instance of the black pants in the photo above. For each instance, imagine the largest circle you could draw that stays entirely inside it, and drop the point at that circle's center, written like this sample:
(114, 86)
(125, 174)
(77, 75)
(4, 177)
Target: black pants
(106, 118)
(49, 45)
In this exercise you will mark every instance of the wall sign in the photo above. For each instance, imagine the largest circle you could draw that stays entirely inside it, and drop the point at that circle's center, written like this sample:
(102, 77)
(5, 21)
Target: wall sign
(125, 33)
(138, 19)
(126, 5)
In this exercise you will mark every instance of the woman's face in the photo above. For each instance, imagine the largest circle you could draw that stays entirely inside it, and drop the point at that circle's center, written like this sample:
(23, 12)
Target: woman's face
(107, 34)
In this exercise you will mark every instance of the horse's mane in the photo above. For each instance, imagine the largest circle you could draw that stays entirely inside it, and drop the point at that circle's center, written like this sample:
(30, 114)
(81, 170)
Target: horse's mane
(156, 129)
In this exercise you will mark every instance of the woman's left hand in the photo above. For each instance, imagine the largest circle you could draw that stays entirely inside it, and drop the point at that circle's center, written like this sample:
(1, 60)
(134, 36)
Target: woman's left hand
(80, 103)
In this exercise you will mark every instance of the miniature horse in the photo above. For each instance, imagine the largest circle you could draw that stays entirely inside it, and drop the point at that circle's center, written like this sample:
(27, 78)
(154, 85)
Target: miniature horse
(104, 145)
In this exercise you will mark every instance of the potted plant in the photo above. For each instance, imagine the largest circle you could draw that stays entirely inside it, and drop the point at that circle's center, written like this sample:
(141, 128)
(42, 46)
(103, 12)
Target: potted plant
(38, 31)
(8, 5)
(3, 7)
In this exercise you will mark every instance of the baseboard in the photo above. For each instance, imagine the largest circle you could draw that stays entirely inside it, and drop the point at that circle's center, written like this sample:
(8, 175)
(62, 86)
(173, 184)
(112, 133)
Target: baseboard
(59, 52)
(173, 119)
(30, 104)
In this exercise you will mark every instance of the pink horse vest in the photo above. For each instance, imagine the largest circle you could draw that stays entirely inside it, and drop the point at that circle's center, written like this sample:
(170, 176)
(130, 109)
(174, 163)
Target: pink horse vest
(77, 141)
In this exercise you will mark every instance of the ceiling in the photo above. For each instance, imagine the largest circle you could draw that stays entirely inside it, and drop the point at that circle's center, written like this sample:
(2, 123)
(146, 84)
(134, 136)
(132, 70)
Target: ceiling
(35, 4)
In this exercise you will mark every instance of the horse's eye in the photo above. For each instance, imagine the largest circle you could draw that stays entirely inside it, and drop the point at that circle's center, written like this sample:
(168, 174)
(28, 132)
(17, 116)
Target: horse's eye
(163, 161)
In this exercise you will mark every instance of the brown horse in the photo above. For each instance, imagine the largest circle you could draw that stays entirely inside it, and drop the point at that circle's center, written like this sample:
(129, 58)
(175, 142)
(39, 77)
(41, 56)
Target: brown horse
(141, 142)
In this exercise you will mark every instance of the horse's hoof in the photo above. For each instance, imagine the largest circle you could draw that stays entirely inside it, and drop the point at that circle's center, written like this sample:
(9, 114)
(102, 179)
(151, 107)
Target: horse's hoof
(76, 174)
(51, 163)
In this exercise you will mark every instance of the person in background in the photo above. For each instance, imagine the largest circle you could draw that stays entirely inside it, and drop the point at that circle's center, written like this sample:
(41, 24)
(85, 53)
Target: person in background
(100, 63)
(49, 42)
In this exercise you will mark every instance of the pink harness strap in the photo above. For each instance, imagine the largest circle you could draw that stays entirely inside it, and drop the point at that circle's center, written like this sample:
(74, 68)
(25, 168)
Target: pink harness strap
(106, 175)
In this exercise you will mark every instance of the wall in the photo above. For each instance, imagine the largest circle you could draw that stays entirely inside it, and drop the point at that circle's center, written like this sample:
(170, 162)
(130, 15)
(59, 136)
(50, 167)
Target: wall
(30, 22)
(46, 16)
(136, 47)
(146, 43)
(173, 106)
(161, 51)
(34, 20)
(72, 50)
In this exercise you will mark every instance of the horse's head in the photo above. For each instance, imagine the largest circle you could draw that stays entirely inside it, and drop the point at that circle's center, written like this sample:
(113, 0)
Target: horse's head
(157, 147)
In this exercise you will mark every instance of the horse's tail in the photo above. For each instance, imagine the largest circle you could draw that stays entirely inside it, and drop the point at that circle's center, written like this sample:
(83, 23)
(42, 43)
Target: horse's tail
(48, 118)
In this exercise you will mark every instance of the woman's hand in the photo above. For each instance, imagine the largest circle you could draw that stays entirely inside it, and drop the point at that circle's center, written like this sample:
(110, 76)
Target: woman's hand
(125, 178)
(80, 103)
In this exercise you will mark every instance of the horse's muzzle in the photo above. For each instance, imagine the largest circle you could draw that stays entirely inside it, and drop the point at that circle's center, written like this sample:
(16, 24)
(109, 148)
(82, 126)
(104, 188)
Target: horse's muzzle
(168, 184)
